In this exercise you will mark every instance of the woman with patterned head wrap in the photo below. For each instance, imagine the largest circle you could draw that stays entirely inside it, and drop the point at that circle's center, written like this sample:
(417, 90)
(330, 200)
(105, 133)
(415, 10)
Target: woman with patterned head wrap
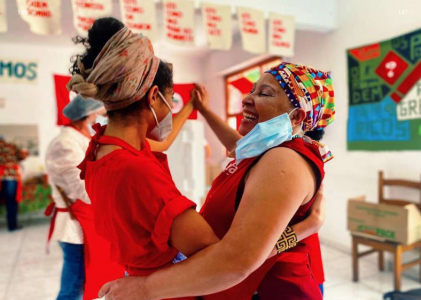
(271, 185)
(136, 205)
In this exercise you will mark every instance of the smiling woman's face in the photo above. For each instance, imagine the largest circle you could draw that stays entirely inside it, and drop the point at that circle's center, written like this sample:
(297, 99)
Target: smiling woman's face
(266, 101)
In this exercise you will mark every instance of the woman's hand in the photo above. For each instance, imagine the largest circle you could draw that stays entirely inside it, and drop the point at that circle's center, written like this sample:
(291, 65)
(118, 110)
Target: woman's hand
(201, 98)
(131, 287)
(314, 221)
(318, 209)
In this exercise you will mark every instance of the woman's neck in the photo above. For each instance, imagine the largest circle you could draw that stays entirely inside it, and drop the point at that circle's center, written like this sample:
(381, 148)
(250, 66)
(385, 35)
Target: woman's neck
(133, 134)
(82, 127)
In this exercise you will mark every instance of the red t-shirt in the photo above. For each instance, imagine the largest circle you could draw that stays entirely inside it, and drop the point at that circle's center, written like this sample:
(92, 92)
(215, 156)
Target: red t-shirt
(135, 202)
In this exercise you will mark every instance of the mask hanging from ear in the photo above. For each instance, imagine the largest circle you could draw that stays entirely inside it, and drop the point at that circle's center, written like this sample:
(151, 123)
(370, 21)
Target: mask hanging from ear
(264, 136)
(163, 128)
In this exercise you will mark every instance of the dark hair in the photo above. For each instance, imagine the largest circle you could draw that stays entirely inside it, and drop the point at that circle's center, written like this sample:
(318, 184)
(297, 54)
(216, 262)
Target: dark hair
(316, 135)
(163, 79)
(102, 30)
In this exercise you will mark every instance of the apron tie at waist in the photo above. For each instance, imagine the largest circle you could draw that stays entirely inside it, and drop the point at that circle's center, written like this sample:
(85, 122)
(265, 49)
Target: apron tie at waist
(52, 210)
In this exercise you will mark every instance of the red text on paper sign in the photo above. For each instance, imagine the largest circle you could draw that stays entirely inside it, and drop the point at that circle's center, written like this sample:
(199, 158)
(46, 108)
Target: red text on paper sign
(38, 9)
(89, 5)
(85, 23)
(37, 4)
(249, 26)
(278, 29)
(176, 32)
(213, 19)
(138, 26)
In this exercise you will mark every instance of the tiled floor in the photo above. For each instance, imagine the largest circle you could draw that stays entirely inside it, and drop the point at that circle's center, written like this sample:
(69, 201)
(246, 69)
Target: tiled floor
(26, 272)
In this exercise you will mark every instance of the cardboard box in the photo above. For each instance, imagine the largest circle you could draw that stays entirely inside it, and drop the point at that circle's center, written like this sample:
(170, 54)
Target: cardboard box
(394, 223)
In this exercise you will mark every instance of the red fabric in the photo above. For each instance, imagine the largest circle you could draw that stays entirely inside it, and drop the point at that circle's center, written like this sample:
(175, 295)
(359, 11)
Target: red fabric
(135, 202)
(51, 209)
(184, 91)
(62, 97)
(19, 187)
(99, 269)
(289, 274)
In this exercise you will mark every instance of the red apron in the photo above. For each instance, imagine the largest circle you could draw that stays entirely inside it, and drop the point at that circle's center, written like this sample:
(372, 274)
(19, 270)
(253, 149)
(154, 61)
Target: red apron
(99, 269)
(287, 276)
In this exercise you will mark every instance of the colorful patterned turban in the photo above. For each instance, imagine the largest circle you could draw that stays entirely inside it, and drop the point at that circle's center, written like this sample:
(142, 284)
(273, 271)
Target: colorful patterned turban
(122, 73)
(310, 90)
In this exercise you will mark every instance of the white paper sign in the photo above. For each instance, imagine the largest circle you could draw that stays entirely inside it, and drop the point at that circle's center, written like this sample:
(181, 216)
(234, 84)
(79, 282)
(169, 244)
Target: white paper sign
(85, 12)
(410, 107)
(179, 22)
(217, 21)
(281, 34)
(42, 16)
(3, 20)
(140, 17)
(253, 29)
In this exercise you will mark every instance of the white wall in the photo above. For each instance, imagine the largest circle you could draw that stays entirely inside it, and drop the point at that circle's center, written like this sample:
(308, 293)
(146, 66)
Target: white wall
(36, 103)
(354, 173)
(359, 22)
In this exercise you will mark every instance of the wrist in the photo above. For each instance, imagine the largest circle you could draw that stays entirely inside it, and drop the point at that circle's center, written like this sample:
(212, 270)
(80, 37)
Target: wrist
(147, 291)
(316, 220)
(205, 112)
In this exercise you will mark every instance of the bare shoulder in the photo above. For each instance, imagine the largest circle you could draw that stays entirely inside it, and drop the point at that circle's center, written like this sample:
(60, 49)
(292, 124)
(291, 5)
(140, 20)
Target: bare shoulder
(282, 158)
(283, 167)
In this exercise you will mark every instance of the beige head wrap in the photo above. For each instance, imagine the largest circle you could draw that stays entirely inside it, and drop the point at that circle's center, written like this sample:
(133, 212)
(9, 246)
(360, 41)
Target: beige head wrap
(122, 73)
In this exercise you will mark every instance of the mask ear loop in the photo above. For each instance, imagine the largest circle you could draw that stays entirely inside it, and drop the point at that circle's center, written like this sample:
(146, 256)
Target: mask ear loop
(289, 115)
(165, 101)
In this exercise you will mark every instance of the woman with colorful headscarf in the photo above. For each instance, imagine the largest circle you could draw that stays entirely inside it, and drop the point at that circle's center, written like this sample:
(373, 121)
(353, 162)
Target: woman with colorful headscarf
(270, 186)
(137, 207)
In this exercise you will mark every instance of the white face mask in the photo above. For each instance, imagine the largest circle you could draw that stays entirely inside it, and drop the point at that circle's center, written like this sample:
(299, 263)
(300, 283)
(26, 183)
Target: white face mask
(163, 128)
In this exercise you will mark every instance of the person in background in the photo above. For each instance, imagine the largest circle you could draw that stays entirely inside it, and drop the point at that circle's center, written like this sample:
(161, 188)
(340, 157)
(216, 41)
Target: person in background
(11, 181)
(64, 153)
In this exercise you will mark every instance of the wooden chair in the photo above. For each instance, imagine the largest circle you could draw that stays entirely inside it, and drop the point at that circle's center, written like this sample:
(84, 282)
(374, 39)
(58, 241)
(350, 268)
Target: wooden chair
(380, 246)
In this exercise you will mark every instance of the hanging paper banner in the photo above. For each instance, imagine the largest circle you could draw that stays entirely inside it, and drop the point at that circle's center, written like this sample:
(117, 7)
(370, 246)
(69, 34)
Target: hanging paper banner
(217, 20)
(85, 12)
(140, 17)
(179, 22)
(281, 34)
(253, 29)
(385, 95)
(42, 16)
(3, 20)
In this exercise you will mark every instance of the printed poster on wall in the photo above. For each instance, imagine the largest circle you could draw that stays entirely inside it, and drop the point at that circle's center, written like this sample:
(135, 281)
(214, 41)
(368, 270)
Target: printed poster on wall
(181, 97)
(42, 16)
(15, 70)
(179, 22)
(62, 97)
(85, 12)
(281, 34)
(3, 20)
(24, 136)
(140, 17)
(385, 95)
(217, 21)
(253, 29)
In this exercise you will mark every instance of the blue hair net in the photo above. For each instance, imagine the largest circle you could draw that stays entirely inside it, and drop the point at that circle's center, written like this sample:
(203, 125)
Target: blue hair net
(79, 108)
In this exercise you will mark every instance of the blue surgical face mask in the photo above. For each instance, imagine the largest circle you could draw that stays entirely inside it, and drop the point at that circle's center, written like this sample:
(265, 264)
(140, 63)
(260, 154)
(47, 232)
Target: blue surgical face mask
(103, 120)
(264, 136)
